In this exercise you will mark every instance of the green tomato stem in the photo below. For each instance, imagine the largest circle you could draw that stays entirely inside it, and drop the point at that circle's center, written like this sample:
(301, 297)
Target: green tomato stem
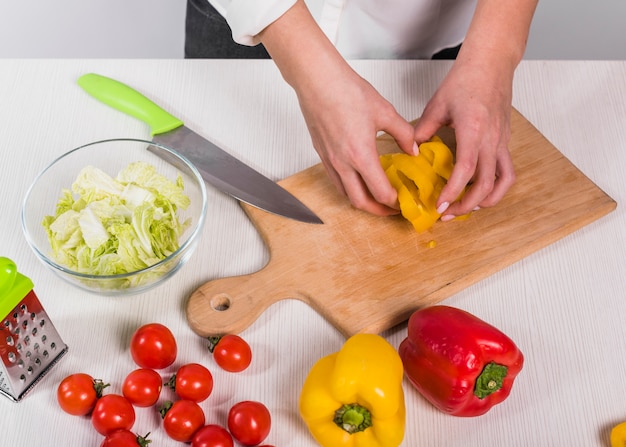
(165, 408)
(213, 341)
(143, 441)
(171, 384)
(99, 386)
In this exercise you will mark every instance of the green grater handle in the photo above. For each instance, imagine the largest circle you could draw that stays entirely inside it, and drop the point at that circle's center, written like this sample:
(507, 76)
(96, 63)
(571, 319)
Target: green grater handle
(8, 271)
(13, 286)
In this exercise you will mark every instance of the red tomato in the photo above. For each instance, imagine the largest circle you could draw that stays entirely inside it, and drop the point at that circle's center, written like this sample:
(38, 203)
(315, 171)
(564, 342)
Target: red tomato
(231, 352)
(249, 422)
(142, 387)
(153, 346)
(192, 382)
(77, 393)
(182, 419)
(125, 438)
(112, 412)
(212, 436)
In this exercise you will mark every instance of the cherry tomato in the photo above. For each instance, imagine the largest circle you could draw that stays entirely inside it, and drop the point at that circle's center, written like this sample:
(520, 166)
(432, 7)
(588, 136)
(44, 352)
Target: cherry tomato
(125, 438)
(182, 419)
(212, 436)
(231, 352)
(77, 393)
(112, 412)
(249, 422)
(192, 382)
(153, 346)
(142, 387)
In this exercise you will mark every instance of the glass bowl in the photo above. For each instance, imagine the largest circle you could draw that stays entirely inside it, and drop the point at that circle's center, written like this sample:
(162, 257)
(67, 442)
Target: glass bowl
(111, 157)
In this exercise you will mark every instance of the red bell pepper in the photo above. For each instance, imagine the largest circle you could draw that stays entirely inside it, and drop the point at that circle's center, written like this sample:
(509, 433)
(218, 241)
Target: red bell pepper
(461, 364)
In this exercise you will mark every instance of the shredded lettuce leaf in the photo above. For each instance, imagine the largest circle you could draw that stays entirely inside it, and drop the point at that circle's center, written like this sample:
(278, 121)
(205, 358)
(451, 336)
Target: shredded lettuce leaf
(110, 226)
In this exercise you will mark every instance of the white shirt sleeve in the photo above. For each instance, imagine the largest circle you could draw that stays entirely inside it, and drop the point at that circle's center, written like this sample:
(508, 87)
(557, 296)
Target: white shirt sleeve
(247, 18)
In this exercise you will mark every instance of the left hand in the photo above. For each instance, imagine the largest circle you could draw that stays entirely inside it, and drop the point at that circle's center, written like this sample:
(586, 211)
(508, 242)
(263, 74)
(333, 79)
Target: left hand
(475, 100)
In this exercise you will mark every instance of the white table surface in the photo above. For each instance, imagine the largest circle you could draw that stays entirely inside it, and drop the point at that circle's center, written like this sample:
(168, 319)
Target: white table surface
(564, 306)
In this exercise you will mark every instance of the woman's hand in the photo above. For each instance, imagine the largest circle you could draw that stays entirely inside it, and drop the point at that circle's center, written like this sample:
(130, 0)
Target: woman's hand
(475, 99)
(343, 117)
(342, 110)
(476, 102)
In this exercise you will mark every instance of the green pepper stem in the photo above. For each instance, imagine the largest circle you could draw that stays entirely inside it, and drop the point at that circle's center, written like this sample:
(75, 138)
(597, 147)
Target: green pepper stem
(490, 379)
(353, 418)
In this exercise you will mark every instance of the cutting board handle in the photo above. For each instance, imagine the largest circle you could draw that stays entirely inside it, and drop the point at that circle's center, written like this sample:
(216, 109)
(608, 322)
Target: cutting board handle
(230, 305)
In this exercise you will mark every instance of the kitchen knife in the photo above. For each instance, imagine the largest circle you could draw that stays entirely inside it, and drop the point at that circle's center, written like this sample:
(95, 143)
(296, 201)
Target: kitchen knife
(218, 168)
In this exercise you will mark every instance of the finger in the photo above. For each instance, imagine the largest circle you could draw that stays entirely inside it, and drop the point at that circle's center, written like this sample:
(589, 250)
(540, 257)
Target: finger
(482, 184)
(505, 178)
(367, 182)
(350, 183)
(361, 197)
(428, 124)
(402, 131)
(465, 169)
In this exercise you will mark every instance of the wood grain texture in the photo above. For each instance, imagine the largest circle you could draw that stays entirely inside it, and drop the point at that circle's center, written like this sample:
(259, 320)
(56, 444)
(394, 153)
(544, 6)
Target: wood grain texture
(365, 273)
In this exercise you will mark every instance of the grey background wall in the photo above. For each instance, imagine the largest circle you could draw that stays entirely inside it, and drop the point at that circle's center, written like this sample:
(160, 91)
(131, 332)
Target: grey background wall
(562, 29)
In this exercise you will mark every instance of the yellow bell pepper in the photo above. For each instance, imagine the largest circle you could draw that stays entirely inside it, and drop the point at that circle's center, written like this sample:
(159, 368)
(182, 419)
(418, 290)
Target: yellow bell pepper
(618, 435)
(419, 180)
(354, 397)
(439, 156)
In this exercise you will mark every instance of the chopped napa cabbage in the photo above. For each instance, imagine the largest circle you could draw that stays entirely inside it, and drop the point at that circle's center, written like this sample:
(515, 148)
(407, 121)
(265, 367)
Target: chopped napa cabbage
(94, 184)
(146, 176)
(135, 195)
(92, 229)
(66, 202)
(117, 225)
(64, 225)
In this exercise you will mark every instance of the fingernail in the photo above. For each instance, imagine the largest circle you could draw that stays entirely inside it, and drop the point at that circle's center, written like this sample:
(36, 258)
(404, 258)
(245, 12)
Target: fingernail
(443, 207)
(416, 148)
(447, 217)
(476, 208)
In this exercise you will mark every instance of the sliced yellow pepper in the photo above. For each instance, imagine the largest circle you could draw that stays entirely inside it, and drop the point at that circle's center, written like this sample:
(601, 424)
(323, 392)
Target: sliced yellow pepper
(354, 397)
(419, 179)
(439, 156)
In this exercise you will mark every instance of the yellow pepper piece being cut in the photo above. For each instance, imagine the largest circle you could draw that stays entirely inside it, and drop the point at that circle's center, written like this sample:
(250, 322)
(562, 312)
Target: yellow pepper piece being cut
(419, 179)
(354, 397)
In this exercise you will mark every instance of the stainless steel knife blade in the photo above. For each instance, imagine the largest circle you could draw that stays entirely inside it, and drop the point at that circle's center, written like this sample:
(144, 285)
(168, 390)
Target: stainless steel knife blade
(232, 176)
(218, 167)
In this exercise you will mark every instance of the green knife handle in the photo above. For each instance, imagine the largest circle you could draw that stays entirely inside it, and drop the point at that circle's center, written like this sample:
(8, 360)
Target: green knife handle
(123, 98)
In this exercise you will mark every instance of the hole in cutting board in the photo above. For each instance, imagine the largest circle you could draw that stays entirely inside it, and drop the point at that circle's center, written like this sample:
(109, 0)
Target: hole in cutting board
(220, 302)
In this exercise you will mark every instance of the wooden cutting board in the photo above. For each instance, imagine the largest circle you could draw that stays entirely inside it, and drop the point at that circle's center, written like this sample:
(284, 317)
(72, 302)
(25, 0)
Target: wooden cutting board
(365, 273)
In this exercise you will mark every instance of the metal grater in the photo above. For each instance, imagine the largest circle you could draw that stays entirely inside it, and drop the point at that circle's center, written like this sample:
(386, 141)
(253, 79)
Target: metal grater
(29, 343)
